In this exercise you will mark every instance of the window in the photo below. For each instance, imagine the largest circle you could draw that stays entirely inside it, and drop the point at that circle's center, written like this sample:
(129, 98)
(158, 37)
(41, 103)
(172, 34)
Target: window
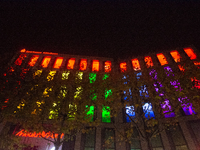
(33, 60)
(45, 61)
(123, 67)
(108, 139)
(134, 141)
(95, 65)
(107, 66)
(190, 53)
(195, 128)
(83, 64)
(71, 63)
(89, 140)
(58, 62)
(148, 61)
(176, 56)
(70, 144)
(162, 59)
(177, 138)
(157, 143)
(136, 64)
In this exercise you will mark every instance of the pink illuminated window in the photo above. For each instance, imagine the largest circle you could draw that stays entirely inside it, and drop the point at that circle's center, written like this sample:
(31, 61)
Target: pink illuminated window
(162, 59)
(107, 66)
(176, 56)
(83, 64)
(95, 65)
(33, 60)
(58, 62)
(45, 61)
(70, 64)
(136, 64)
(190, 53)
(148, 61)
(20, 59)
(123, 66)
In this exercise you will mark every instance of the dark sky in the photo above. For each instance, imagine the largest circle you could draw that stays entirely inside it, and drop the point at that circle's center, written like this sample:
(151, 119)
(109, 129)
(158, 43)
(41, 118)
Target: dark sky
(109, 29)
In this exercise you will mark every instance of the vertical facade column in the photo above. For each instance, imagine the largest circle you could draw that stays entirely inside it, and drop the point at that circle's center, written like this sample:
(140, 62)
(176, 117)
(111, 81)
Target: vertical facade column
(78, 141)
(165, 140)
(187, 135)
(120, 143)
(98, 139)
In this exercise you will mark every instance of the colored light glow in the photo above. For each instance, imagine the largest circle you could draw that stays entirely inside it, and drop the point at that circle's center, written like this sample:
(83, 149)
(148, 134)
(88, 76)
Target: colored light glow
(197, 64)
(45, 61)
(58, 62)
(162, 59)
(148, 61)
(77, 94)
(107, 66)
(20, 59)
(123, 67)
(147, 109)
(37, 73)
(72, 111)
(106, 76)
(176, 56)
(65, 75)
(189, 51)
(79, 75)
(136, 64)
(181, 68)
(23, 50)
(50, 53)
(83, 64)
(90, 112)
(106, 114)
(70, 64)
(33, 60)
(92, 77)
(43, 134)
(130, 111)
(108, 93)
(95, 65)
(196, 82)
(51, 75)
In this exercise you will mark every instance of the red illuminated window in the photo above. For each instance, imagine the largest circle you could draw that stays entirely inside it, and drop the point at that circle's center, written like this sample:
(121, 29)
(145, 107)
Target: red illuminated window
(70, 64)
(176, 56)
(123, 66)
(45, 61)
(181, 68)
(196, 82)
(20, 59)
(83, 64)
(136, 64)
(162, 59)
(58, 62)
(148, 61)
(95, 65)
(33, 60)
(107, 66)
(190, 53)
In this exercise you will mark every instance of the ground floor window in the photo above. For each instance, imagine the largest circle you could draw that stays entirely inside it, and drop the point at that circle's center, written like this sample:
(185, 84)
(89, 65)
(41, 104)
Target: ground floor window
(108, 139)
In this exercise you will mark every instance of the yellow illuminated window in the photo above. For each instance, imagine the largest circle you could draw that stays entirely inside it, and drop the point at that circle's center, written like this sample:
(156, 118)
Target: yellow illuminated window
(176, 56)
(65, 75)
(51, 75)
(148, 61)
(38, 73)
(58, 62)
(162, 59)
(136, 64)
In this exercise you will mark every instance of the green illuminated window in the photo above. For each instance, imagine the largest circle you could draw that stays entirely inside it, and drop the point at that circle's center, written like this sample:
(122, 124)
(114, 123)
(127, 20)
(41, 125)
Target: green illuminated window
(108, 93)
(106, 114)
(92, 77)
(90, 112)
(106, 76)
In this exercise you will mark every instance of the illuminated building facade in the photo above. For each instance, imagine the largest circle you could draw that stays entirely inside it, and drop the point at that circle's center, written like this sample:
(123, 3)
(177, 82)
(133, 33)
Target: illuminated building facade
(185, 137)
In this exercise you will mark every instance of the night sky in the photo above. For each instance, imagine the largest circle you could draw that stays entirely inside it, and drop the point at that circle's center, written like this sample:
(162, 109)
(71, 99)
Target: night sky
(117, 29)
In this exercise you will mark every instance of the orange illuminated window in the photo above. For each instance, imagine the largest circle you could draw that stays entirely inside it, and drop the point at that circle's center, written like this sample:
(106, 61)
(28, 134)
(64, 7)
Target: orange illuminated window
(58, 62)
(162, 59)
(45, 61)
(83, 64)
(20, 59)
(33, 60)
(71, 63)
(136, 64)
(181, 68)
(190, 53)
(123, 66)
(148, 61)
(95, 65)
(176, 56)
(23, 50)
(107, 66)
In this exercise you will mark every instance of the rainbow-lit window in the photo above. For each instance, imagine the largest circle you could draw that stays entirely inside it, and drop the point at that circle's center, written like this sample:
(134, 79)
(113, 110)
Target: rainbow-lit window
(58, 62)
(107, 66)
(95, 65)
(45, 61)
(83, 64)
(176, 56)
(136, 64)
(162, 59)
(148, 61)
(33, 60)
(190, 53)
(20, 59)
(70, 64)
(123, 66)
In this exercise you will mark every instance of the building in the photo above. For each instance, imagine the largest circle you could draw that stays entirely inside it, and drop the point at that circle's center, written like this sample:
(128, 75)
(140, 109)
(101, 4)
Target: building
(185, 137)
